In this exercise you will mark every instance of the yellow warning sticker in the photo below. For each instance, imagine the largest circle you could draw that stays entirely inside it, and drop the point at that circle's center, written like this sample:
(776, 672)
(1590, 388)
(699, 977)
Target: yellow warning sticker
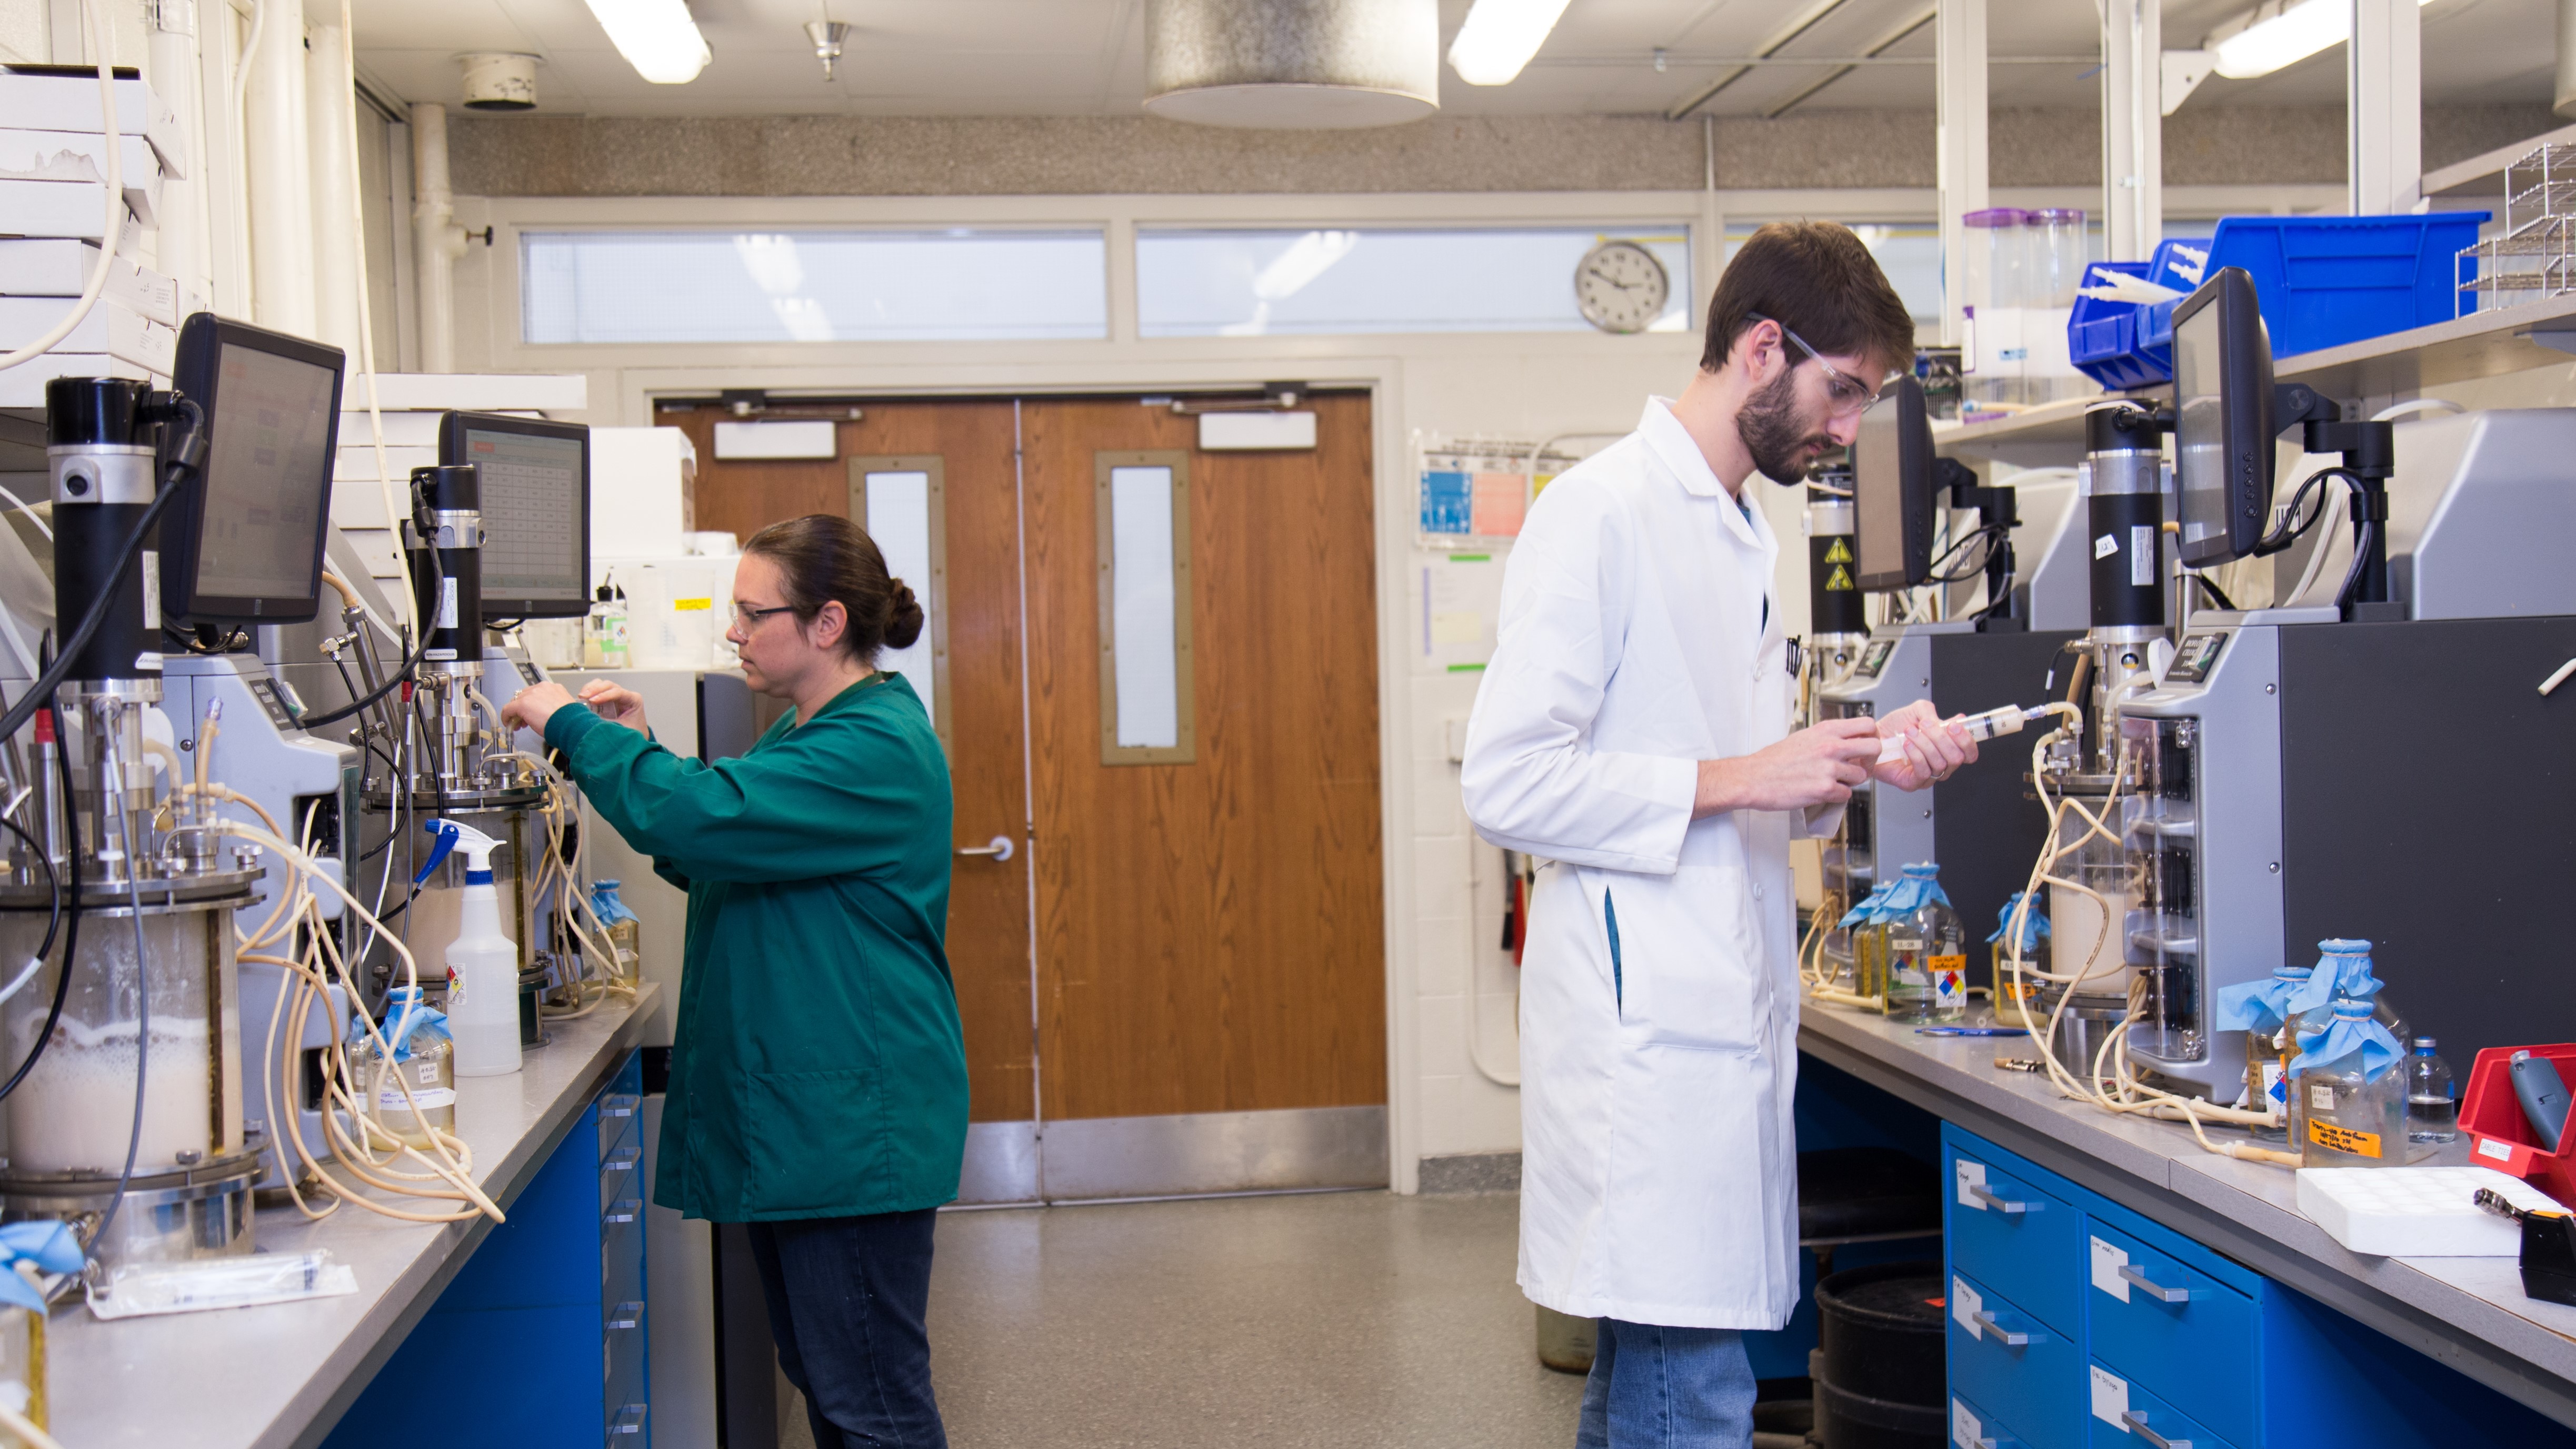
(2343, 1139)
(1839, 581)
(1839, 552)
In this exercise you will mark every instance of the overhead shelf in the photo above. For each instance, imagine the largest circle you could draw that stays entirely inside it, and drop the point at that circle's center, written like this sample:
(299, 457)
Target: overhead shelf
(2399, 364)
(2483, 176)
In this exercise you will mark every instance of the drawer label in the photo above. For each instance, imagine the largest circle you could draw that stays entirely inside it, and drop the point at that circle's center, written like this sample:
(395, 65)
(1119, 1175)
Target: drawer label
(1965, 1431)
(2343, 1139)
(1965, 1305)
(2107, 1263)
(2490, 1147)
(1972, 1175)
(2110, 1398)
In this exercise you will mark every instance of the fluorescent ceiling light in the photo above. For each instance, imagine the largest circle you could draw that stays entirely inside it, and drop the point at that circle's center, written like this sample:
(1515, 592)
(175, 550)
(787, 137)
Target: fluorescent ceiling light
(2281, 34)
(1499, 38)
(657, 37)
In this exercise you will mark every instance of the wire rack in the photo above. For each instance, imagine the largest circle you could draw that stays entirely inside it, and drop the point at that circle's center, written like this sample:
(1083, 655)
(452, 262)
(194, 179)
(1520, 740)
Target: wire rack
(2534, 256)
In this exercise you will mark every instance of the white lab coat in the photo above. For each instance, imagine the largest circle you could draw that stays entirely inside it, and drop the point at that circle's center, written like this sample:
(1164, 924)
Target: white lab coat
(1659, 1168)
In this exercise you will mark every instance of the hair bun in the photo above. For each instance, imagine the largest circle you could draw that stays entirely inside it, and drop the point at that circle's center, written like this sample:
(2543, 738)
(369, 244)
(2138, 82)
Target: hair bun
(903, 616)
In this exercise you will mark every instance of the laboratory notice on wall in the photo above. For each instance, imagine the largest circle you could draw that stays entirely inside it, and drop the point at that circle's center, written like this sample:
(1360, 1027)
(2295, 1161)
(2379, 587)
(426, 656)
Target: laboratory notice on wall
(1476, 491)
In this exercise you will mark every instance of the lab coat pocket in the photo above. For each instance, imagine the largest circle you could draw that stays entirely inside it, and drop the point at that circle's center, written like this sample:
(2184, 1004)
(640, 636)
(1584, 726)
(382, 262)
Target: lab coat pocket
(1687, 959)
(805, 1137)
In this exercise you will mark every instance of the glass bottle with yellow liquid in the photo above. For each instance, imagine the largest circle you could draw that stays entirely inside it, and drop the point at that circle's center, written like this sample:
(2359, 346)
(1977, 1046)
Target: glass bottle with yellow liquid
(625, 933)
(1927, 957)
(44, 1246)
(1868, 937)
(2017, 1004)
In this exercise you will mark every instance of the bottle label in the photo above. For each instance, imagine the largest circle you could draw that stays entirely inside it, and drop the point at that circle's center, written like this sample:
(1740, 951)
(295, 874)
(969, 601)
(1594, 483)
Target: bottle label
(2320, 1097)
(1905, 943)
(1950, 978)
(2343, 1139)
(390, 1099)
(455, 991)
(2276, 1093)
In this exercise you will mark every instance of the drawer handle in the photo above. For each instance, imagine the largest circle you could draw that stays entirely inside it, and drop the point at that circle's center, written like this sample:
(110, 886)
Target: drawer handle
(619, 1104)
(624, 1210)
(2137, 1423)
(1986, 1325)
(2130, 1274)
(625, 1315)
(626, 1157)
(630, 1420)
(1999, 1204)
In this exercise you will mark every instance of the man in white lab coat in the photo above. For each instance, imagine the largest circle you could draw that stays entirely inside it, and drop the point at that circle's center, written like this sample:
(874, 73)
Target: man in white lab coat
(1633, 728)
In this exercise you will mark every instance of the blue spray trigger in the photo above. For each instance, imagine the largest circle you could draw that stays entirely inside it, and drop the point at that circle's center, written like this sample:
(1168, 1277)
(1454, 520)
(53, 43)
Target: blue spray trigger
(446, 833)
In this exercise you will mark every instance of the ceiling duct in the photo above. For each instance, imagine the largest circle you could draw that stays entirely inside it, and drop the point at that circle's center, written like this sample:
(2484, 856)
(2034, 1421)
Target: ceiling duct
(1292, 64)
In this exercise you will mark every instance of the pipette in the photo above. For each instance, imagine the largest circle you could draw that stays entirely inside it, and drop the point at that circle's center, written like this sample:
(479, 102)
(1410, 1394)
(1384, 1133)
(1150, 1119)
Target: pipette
(1980, 727)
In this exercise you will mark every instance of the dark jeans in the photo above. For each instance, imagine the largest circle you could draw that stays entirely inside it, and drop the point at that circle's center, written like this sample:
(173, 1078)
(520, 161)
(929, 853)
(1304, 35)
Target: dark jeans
(846, 1299)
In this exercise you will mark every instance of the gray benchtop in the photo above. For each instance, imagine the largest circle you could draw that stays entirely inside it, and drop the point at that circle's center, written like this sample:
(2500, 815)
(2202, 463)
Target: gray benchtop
(281, 1375)
(2467, 1312)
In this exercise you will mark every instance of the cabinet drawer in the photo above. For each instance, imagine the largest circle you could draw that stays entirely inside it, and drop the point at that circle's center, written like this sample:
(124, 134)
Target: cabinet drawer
(2121, 1415)
(621, 1252)
(2026, 1373)
(2009, 1233)
(618, 1176)
(2171, 1328)
(1973, 1428)
(619, 1112)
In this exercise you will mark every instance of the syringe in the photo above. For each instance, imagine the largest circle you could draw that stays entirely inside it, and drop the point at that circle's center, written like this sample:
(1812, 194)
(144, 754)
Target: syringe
(1980, 727)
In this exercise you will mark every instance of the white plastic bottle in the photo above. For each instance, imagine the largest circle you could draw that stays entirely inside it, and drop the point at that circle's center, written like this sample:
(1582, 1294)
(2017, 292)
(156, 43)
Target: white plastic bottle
(482, 968)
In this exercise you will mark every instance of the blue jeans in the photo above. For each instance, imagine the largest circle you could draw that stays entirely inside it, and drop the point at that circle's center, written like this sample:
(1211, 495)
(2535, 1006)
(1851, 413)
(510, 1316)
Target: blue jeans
(847, 1297)
(1666, 1388)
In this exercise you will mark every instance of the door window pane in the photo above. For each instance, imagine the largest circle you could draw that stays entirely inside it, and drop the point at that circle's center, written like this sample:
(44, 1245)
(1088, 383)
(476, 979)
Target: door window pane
(1146, 716)
(1282, 283)
(956, 285)
(900, 517)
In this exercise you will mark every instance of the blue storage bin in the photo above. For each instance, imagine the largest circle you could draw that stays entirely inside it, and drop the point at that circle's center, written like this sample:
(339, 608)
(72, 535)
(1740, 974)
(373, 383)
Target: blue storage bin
(2322, 281)
(2130, 344)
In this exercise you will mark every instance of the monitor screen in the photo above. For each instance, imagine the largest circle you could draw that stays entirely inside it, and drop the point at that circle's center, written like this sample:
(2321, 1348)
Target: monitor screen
(1892, 490)
(2223, 427)
(247, 547)
(2200, 430)
(535, 480)
(268, 469)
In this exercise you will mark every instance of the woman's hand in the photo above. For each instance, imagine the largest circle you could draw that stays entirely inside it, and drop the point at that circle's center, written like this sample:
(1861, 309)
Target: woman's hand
(617, 704)
(531, 707)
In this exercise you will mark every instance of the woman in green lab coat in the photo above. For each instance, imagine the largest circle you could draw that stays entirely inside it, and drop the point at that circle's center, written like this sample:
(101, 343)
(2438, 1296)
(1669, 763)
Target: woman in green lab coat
(818, 1080)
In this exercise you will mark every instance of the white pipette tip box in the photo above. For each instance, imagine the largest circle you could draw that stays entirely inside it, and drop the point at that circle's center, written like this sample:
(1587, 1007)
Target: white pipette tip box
(2416, 1212)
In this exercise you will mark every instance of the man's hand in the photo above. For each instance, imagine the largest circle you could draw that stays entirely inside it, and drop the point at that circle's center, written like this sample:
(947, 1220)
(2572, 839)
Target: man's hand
(1816, 766)
(1934, 750)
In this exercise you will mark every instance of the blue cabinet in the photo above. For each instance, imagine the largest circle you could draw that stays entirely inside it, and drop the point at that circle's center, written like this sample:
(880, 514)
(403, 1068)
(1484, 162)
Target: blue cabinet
(540, 1338)
(2076, 1323)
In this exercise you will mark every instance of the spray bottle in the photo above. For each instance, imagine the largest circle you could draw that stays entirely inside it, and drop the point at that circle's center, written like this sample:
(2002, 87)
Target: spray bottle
(482, 964)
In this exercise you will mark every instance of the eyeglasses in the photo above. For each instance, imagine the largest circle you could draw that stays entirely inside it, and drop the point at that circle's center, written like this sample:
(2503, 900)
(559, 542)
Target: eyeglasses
(746, 618)
(1847, 393)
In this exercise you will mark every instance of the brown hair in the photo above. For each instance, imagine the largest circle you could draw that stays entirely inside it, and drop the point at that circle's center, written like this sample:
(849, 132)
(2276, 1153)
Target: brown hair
(822, 558)
(1818, 280)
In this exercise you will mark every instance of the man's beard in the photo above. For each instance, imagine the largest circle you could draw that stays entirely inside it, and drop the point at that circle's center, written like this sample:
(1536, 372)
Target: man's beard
(1775, 435)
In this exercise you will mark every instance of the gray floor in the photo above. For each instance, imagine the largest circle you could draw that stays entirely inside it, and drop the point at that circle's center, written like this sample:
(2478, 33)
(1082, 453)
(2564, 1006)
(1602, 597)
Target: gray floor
(1360, 1319)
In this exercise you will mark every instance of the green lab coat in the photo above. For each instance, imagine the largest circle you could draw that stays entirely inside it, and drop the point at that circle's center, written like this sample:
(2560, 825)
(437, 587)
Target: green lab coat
(819, 1070)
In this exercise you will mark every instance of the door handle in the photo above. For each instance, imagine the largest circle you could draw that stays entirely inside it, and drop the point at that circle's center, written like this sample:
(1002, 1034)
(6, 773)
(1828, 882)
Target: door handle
(1999, 1204)
(2137, 1423)
(999, 849)
(1986, 1325)
(2130, 1274)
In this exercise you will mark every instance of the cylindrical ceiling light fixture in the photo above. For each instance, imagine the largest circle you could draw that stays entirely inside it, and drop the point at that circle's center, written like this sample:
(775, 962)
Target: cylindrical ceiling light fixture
(499, 81)
(1292, 64)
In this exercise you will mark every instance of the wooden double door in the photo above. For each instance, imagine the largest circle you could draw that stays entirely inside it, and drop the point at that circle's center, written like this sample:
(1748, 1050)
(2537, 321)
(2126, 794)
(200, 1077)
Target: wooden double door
(1155, 673)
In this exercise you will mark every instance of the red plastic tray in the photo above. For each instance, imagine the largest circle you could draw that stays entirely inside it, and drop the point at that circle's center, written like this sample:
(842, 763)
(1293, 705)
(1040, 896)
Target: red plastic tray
(2500, 1136)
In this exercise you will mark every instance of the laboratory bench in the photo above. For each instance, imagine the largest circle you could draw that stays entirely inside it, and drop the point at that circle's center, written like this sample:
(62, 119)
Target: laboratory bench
(2150, 1191)
(285, 1374)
